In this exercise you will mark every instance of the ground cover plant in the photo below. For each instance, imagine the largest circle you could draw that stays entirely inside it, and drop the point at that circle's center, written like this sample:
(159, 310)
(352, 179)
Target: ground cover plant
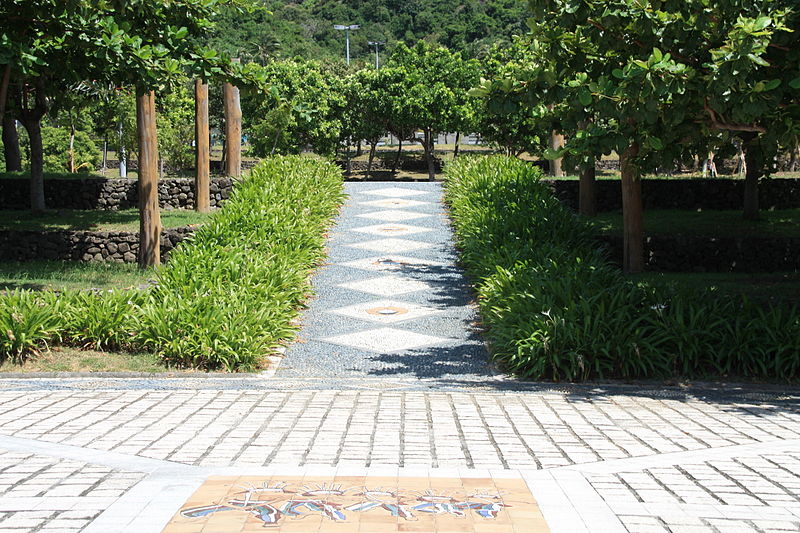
(225, 299)
(94, 220)
(555, 308)
(71, 275)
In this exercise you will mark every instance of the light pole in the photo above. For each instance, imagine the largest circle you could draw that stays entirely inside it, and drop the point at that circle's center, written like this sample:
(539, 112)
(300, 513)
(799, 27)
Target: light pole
(347, 36)
(377, 45)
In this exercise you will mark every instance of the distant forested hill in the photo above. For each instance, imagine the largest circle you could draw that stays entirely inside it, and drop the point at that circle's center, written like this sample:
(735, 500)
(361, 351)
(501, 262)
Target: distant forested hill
(305, 28)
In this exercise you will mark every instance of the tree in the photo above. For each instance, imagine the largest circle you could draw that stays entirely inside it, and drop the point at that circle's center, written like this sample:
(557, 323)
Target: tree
(428, 88)
(302, 108)
(368, 110)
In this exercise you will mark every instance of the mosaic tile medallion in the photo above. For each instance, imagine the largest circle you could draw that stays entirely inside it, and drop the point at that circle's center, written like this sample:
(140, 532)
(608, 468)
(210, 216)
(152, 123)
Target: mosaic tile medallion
(391, 245)
(395, 203)
(357, 504)
(386, 311)
(396, 192)
(394, 263)
(394, 215)
(392, 229)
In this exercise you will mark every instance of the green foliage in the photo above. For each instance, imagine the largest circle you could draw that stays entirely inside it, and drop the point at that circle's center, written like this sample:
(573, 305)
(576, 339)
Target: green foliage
(101, 320)
(305, 29)
(228, 296)
(302, 108)
(555, 309)
(503, 123)
(175, 122)
(28, 321)
(55, 145)
(225, 298)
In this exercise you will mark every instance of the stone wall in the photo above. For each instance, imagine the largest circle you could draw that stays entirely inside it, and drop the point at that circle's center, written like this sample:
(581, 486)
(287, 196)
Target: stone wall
(65, 245)
(723, 194)
(108, 193)
(714, 254)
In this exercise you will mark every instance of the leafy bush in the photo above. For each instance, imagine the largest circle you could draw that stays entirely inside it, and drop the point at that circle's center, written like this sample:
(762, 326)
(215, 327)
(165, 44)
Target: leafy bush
(555, 308)
(99, 321)
(229, 295)
(28, 321)
(55, 144)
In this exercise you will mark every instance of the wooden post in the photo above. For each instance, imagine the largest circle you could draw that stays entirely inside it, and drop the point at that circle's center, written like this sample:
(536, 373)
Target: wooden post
(556, 143)
(149, 217)
(632, 218)
(233, 131)
(202, 193)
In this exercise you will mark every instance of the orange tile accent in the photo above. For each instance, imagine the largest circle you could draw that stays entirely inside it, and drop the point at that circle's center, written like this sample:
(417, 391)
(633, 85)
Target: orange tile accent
(357, 504)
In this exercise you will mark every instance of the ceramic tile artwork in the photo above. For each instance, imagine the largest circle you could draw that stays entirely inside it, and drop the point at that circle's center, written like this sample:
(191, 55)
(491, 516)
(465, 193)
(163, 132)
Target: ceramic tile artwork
(357, 504)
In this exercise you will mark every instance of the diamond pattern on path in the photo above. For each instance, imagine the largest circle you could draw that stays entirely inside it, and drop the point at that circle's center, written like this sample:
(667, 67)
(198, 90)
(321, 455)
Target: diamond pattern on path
(392, 229)
(392, 263)
(394, 215)
(394, 203)
(386, 311)
(387, 340)
(395, 192)
(387, 285)
(392, 245)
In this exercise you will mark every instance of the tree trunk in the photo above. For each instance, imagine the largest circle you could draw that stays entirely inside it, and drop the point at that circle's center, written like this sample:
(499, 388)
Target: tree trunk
(397, 157)
(34, 129)
(11, 144)
(455, 150)
(556, 143)
(632, 219)
(105, 153)
(202, 194)
(793, 159)
(372, 147)
(149, 217)
(233, 131)
(5, 82)
(359, 151)
(428, 149)
(71, 146)
(752, 174)
(587, 203)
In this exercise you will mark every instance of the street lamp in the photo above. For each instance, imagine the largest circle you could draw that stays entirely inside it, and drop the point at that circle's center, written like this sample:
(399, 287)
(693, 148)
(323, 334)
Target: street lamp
(347, 36)
(377, 45)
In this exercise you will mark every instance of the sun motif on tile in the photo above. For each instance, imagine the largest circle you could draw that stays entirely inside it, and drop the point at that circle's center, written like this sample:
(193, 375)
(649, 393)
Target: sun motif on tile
(360, 504)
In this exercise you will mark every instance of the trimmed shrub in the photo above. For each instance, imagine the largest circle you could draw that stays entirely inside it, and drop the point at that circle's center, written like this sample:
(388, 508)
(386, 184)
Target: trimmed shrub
(228, 296)
(555, 308)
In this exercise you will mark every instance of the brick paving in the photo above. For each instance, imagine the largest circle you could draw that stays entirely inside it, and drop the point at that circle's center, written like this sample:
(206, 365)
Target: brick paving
(351, 437)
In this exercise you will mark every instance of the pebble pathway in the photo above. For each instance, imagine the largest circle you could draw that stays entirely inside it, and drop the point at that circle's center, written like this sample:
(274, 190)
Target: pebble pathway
(391, 302)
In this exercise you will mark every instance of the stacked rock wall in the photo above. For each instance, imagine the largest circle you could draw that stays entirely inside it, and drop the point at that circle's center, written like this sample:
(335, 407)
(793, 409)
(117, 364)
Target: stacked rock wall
(108, 193)
(87, 246)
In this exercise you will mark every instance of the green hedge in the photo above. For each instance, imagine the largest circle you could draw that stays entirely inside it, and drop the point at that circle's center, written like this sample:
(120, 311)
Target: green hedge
(225, 299)
(555, 308)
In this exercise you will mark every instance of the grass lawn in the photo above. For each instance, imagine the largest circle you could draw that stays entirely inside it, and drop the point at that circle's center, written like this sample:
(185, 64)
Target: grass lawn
(779, 223)
(65, 359)
(95, 220)
(771, 287)
(61, 275)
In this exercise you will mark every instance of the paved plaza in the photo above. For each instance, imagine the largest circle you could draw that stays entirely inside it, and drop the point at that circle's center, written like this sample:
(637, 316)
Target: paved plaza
(386, 416)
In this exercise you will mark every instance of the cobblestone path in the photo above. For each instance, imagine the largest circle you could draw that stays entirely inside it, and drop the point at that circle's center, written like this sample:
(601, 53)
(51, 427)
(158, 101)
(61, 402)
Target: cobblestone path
(595, 458)
(388, 418)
